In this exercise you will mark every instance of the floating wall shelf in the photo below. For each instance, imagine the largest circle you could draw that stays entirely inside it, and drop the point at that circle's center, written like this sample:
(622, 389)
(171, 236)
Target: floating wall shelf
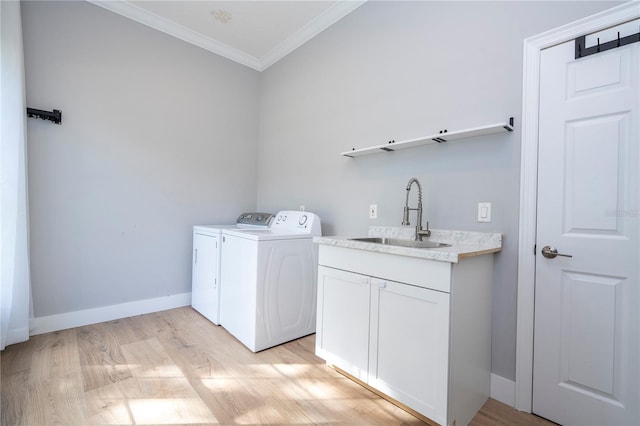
(442, 136)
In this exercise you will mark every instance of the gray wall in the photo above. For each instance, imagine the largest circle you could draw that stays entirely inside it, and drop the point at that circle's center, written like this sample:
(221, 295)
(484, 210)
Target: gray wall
(400, 70)
(157, 135)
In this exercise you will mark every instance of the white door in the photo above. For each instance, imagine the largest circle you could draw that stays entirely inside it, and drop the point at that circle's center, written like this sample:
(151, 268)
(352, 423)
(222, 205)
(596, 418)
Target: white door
(586, 344)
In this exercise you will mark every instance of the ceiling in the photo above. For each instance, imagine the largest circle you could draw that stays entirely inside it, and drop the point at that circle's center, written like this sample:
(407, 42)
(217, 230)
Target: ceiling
(254, 33)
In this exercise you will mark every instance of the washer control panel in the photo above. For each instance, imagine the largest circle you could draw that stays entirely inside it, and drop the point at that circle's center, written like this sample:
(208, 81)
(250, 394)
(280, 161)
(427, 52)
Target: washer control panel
(298, 221)
(255, 219)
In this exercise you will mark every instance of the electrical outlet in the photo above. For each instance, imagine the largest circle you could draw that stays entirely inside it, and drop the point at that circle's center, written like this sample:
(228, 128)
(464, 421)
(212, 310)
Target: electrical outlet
(484, 212)
(301, 207)
(373, 211)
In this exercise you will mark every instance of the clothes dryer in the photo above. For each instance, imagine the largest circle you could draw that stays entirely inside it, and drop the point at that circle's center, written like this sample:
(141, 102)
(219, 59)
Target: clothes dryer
(205, 275)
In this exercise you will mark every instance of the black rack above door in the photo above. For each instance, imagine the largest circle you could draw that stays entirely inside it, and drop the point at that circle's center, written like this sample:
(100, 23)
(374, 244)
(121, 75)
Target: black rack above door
(581, 50)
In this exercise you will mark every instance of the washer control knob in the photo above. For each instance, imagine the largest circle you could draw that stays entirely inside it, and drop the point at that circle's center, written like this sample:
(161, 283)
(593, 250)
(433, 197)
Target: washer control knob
(303, 219)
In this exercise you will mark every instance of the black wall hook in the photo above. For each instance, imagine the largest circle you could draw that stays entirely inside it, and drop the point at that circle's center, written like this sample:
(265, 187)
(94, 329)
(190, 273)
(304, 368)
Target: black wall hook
(55, 115)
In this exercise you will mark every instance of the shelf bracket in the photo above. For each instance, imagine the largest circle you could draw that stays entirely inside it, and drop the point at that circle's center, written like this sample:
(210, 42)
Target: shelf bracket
(509, 128)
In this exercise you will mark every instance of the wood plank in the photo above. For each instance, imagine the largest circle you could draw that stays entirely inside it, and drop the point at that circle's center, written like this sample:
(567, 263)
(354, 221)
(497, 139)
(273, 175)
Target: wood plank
(148, 358)
(101, 359)
(495, 413)
(54, 355)
(57, 401)
(17, 358)
(14, 388)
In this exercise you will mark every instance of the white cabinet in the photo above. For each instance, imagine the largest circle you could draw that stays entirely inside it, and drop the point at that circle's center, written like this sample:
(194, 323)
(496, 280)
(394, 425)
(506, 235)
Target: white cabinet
(342, 328)
(409, 345)
(205, 292)
(416, 330)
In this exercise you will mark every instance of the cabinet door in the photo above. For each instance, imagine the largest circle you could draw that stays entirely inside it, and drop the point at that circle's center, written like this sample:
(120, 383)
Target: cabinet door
(205, 294)
(342, 330)
(408, 359)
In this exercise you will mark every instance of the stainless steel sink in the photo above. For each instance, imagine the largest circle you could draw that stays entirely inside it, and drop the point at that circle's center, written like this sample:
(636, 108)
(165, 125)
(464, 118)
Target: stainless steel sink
(401, 242)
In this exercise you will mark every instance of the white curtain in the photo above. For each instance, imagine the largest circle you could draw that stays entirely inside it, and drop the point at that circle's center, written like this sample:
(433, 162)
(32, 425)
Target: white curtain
(15, 297)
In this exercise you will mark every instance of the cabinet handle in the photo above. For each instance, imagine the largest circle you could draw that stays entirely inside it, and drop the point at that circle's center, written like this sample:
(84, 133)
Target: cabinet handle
(196, 256)
(381, 283)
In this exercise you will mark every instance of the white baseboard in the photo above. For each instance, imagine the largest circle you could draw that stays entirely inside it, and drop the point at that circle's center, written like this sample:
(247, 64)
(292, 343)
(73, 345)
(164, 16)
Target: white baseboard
(503, 390)
(108, 313)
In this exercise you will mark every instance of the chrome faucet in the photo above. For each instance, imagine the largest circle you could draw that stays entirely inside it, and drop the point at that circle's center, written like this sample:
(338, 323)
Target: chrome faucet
(420, 231)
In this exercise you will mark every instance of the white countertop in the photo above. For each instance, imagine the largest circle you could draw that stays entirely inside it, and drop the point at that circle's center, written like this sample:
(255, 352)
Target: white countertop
(463, 243)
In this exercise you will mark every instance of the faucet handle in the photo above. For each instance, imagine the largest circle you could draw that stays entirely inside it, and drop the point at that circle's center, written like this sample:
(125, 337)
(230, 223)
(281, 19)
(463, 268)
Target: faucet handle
(422, 232)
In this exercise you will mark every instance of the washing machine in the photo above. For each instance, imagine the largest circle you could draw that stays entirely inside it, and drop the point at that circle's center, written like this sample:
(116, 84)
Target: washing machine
(205, 276)
(269, 275)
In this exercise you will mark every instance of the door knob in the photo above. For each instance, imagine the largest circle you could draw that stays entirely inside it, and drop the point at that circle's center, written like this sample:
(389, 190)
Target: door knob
(550, 252)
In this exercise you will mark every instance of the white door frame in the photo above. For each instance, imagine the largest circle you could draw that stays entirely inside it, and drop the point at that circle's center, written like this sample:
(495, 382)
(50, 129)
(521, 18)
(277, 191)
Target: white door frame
(529, 179)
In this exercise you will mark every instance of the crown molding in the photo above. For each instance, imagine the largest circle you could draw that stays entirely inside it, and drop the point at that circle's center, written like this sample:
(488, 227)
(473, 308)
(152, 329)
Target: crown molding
(133, 12)
(313, 28)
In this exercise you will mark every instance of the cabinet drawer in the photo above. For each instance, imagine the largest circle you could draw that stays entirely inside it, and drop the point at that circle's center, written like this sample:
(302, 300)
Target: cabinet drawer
(424, 273)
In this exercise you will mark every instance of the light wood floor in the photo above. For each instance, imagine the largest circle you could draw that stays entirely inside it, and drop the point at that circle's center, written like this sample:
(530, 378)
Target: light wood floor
(175, 367)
